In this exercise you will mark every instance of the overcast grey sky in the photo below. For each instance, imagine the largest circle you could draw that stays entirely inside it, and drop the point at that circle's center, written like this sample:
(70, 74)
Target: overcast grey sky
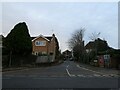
(63, 19)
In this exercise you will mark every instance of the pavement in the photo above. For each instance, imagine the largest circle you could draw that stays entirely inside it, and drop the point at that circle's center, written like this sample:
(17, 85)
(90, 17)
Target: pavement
(102, 70)
(30, 66)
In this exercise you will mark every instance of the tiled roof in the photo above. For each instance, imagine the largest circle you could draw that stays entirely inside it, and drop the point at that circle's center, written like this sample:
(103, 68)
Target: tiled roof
(48, 37)
(90, 45)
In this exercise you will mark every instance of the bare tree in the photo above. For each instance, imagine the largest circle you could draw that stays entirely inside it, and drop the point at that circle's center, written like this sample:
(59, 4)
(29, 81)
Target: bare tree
(77, 38)
(94, 36)
(76, 43)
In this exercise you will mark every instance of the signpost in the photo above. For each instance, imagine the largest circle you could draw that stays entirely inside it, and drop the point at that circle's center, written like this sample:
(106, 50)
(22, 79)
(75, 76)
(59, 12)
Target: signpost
(107, 60)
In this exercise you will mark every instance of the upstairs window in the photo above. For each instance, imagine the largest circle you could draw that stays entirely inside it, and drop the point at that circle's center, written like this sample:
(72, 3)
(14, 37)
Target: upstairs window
(40, 43)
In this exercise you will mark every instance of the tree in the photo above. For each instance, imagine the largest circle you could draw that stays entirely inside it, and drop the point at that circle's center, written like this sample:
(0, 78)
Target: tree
(76, 43)
(18, 41)
(94, 36)
(101, 45)
(77, 38)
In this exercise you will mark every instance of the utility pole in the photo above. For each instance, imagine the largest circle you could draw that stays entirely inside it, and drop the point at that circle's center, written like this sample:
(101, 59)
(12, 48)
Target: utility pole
(54, 47)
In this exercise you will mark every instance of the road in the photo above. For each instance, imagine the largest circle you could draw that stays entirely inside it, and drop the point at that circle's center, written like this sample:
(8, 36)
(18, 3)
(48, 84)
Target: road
(67, 75)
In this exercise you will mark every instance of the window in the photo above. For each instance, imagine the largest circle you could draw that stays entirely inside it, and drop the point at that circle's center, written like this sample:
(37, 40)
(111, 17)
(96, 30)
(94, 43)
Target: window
(40, 43)
(51, 53)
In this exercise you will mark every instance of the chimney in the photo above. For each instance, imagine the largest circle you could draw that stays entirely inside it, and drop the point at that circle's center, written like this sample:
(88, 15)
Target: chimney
(53, 35)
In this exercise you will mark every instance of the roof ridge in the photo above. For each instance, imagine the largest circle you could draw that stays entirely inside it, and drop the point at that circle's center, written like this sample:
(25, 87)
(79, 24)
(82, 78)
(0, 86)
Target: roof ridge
(41, 36)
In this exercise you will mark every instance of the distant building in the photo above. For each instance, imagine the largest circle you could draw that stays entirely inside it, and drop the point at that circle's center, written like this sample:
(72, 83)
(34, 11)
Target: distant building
(67, 54)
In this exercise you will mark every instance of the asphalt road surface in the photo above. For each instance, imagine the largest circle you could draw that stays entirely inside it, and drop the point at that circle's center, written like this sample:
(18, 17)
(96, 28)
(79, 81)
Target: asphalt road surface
(66, 76)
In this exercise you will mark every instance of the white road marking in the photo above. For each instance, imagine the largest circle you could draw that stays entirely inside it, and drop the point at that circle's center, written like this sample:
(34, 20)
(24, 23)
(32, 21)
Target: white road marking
(105, 75)
(102, 74)
(97, 75)
(71, 75)
(89, 70)
(90, 76)
(68, 72)
(67, 66)
(94, 75)
(114, 75)
(81, 75)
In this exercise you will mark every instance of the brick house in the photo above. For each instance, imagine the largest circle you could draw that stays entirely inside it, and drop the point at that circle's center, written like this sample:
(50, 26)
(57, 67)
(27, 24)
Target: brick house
(45, 46)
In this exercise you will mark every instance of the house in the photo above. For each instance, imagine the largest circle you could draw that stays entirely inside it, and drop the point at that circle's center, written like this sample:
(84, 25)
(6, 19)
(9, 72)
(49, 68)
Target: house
(67, 54)
(98, 45)
(89, 47)
(45, 46)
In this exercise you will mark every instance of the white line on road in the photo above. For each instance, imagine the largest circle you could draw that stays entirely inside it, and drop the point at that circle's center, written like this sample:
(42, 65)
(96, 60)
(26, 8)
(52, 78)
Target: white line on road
(102, 74)
(71, 75)
(68, 72)
(67, 66)
(81, 75)
(89, 70)
(97, 75)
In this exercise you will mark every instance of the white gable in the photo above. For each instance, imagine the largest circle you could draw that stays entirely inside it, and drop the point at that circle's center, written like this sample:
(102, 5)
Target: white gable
(39, 37)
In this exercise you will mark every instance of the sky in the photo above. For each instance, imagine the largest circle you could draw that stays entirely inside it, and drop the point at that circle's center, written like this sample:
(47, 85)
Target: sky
(63, 18)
